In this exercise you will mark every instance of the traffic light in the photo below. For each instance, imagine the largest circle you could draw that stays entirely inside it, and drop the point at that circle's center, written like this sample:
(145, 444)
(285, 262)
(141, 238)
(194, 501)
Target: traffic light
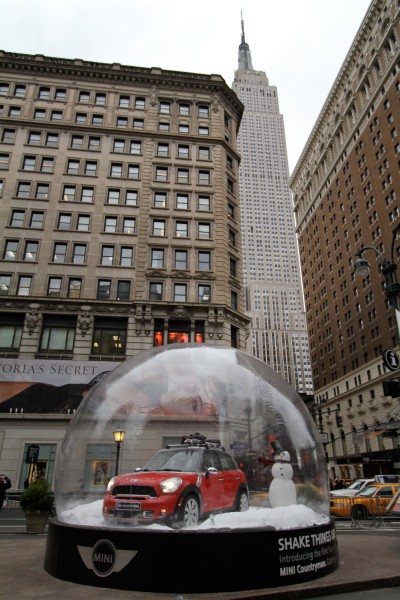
(391, 387)
(339, 420)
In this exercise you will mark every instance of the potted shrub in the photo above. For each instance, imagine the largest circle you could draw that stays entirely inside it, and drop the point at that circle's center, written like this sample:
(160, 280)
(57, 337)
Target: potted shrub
(37, 502)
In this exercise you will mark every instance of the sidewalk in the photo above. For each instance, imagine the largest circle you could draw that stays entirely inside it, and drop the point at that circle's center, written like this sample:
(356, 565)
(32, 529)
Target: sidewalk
(368, 559)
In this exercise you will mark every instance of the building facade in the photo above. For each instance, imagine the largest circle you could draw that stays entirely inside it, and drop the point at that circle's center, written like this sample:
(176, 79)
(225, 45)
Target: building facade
(346, 193)
(271, 268)
(119, 216)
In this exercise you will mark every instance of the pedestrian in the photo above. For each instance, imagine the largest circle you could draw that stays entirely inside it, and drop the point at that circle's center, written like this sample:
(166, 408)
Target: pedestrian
(5, 484)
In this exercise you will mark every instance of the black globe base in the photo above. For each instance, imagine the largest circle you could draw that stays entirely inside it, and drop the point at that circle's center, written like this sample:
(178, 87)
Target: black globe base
(182, 561)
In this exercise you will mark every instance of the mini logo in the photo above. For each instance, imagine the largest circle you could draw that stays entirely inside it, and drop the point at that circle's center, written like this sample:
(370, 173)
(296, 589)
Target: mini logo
(103, 558)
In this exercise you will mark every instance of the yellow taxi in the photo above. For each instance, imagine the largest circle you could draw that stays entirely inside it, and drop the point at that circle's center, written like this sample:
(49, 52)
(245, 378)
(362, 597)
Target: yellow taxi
(372, 501)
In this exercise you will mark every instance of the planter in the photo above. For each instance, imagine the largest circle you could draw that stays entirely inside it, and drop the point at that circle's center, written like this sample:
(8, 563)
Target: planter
(36, 521)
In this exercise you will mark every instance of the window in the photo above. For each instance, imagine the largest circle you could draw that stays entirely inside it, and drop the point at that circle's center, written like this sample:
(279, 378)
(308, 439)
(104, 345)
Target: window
(84, 96)
(1, 186)
(183, 175)
(42, 191)
(52, 140)
(24, 285)
(163, 126)
(56, 115)
(58, 334)
(184, 108)
(123, 290)
(109, 336)
(47, 164)
(136, 147)
(138, 123)
(61, 94)
(183, 128)
(204, 231)
(122, 121)
(233, 267)
(204, 293)
(204, 261)
(181, 259)
(69, 193)
(90, 168)
(203, 130)
(79, 254)
(34, 138)
(183, 151)
(39, 114)
(204, 178)
(181, 229)
(113, 196)
(11, 328)
(14, 111)
(157, 258)
(54, 286)
(133, 172)
(87, 194)
(94, 143)
(131, 197)
(60, 253)
(180, 292)
(159, 227)
(4, 161)
(80, 118)
(4, 89)
(10, 250)
(116, 170)
(73, 167)
(29, 163)
(23, 189)
(83, 223)
(155, 291)
(107, 255)
(160, 199)
(5, 282)
(44, 93)
(31, 251)
(165, 107)
(126, 259)
(100, 99)
(97, 119)
(203, 111)
(124, 101)
(77, 141)
(8, 136)
(17, 218)
(103, 289)
(182, 201)
(162, 149)
(110, 224)
(74, 287)
(37, 220)
(234, 300)
(140, 103)
(129, 224)
(161, 173)
(64, 221)
(204, 153)
(232, 237)
(20, 91)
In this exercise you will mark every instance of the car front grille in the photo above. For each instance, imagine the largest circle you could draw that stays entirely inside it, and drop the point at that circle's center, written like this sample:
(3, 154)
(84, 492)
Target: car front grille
(134, 490)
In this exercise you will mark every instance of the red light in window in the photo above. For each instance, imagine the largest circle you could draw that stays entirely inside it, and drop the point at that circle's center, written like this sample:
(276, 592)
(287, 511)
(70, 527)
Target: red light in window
(158, 337)
(199, 338)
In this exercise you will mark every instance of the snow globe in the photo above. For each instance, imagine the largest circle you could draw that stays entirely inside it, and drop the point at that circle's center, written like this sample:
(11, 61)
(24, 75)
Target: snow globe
(184, 452)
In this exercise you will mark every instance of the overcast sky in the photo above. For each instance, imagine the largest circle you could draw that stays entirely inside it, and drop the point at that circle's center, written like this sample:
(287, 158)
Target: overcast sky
(300, 44)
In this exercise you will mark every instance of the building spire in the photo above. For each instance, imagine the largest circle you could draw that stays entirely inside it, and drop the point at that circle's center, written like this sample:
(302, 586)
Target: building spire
(244, 51)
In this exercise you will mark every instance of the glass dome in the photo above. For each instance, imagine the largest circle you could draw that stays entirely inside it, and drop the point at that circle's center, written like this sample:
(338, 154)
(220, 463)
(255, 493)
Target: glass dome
(161, 396)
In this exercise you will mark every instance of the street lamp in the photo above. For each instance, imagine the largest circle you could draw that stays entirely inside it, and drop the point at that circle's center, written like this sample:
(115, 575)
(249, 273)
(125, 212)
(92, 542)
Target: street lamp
(118, 439)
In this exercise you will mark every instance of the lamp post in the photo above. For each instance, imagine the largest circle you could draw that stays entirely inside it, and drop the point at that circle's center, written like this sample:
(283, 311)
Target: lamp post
(118, 439)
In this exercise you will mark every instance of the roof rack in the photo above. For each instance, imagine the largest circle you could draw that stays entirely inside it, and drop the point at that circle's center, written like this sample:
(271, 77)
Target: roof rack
(198, 439)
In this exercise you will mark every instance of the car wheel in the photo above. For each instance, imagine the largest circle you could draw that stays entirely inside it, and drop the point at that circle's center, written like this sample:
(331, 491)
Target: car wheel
(242, 503)
(189, 512)
(359, 512)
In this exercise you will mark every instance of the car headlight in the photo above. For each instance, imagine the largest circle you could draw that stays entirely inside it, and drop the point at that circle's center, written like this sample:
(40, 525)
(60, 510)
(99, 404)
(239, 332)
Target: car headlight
(169, 486)
(110, 484)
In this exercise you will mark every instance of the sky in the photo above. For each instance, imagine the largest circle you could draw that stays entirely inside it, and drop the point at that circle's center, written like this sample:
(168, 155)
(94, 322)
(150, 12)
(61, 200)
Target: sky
(300, 44)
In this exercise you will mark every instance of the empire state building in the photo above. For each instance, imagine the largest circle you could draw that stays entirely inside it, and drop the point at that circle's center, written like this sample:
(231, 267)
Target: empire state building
(271, 270)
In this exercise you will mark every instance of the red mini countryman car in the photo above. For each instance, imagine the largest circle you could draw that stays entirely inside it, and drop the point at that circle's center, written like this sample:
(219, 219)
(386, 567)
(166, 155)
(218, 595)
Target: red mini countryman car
(178, 486)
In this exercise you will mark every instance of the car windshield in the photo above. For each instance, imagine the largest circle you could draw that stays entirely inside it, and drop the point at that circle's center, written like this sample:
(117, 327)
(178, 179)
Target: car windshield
(369, 491)
(175, 459)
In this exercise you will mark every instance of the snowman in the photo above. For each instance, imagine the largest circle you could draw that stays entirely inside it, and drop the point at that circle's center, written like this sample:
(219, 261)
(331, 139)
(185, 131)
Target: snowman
(282, 491)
